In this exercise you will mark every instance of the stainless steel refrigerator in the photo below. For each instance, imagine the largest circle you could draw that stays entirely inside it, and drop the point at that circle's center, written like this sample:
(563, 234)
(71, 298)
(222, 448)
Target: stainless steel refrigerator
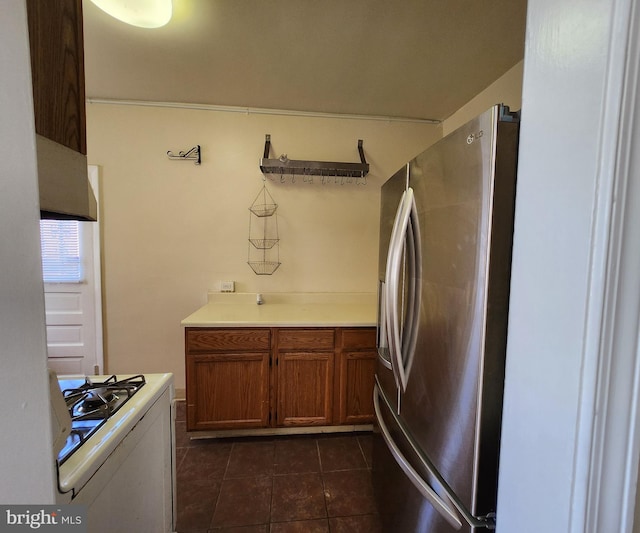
(445, 260)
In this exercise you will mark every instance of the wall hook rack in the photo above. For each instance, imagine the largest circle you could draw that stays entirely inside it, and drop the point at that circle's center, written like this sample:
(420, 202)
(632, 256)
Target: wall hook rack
(190, 155)
(285, 166)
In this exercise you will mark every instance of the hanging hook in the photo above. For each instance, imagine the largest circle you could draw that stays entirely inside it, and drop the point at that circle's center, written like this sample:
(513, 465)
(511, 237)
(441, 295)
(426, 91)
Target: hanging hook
(192, 155)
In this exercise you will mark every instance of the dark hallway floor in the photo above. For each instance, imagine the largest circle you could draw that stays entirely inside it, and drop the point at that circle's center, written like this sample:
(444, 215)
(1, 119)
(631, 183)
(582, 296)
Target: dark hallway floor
(317, 483)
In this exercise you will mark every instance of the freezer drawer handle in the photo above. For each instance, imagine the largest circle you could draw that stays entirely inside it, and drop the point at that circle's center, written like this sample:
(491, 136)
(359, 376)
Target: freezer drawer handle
(440, 505)
(488, 521)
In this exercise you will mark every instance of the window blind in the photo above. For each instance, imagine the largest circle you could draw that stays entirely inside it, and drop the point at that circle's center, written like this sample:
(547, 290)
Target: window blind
(60, 251)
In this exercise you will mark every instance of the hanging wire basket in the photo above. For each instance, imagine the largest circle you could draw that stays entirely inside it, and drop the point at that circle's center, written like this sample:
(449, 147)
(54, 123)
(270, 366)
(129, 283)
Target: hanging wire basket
(263, 210)
(264, 204)
(264, 268)
(263, 236)
(264, 244)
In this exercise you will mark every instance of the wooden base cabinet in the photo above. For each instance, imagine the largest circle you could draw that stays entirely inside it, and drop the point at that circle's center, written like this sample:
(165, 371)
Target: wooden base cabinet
(355, 375)
(305, 360)
(228, 378)
(242, 378)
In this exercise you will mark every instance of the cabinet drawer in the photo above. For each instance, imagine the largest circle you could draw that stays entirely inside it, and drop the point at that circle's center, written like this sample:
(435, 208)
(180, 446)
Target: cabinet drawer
(307, 339)
(360, 338)
(203, 340)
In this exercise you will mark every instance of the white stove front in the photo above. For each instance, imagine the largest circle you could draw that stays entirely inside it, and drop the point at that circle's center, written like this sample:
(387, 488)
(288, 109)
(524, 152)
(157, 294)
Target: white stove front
(125, 471)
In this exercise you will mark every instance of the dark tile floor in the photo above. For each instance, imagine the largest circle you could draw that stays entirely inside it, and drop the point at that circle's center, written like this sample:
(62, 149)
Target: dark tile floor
(284, 484)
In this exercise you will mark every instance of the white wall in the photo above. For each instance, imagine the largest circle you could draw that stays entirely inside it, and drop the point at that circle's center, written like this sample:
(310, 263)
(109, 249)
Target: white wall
(27, 460)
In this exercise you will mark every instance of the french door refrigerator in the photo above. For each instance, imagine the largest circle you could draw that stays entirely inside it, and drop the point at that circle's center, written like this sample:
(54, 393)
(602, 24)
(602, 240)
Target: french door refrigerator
(445, 260)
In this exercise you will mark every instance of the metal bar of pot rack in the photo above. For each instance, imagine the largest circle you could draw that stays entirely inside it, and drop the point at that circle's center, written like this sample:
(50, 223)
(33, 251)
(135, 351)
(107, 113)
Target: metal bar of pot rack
(285, 166)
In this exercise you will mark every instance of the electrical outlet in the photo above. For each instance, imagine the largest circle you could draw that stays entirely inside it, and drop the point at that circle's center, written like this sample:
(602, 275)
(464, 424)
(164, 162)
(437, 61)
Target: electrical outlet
(227, 286)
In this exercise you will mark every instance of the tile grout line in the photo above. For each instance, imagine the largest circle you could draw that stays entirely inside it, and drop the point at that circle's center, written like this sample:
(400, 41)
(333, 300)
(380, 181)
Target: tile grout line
(222, 480)
(324, 487)
(364, 457)
(273, 472)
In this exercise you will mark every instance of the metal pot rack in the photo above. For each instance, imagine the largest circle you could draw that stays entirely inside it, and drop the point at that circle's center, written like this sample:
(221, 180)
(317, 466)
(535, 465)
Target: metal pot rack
(285, 166)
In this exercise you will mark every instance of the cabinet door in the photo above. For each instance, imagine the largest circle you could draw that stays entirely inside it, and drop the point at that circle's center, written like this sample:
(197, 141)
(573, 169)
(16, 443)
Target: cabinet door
(228, 390)
(57, 65)
(357, 371)
(305, 388)
(355, 375)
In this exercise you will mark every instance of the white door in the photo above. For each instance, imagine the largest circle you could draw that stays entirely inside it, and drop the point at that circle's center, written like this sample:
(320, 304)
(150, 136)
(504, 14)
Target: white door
(73, 309)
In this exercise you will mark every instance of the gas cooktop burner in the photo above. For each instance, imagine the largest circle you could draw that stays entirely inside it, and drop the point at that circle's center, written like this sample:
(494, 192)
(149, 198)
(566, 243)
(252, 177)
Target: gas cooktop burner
(91, 404)
(97, 400)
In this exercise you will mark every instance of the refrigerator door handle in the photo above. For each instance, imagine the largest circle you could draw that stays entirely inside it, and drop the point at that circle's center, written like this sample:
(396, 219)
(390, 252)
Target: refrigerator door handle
(381, 329)
(414, 275)
(423, 487)
(405, 229)
(391, 289)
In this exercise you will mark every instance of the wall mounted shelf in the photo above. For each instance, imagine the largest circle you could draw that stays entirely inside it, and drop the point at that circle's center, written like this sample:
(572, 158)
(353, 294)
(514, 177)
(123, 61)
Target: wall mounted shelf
(295, 167)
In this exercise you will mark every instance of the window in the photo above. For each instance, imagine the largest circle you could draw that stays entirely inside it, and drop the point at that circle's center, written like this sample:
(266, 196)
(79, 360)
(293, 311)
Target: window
(61, 251)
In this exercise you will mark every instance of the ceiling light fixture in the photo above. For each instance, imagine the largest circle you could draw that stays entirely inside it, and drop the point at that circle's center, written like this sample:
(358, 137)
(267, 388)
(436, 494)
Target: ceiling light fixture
(142, 13)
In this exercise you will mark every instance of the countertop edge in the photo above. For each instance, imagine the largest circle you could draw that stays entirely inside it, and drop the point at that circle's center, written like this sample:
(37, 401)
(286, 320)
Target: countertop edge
(283, 324)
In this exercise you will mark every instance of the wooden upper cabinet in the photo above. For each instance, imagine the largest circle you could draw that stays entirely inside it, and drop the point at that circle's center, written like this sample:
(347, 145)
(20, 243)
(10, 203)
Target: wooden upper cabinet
(57, 70)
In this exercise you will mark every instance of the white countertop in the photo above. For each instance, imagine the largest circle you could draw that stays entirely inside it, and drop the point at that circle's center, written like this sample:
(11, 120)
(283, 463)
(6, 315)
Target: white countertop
(286, 309)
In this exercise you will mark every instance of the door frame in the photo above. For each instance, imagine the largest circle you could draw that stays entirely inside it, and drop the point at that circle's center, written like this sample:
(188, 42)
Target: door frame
(611, 470)
(94, 182)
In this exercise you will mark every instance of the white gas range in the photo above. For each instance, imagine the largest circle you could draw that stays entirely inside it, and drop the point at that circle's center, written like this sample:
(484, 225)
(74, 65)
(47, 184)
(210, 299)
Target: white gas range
(115, 449)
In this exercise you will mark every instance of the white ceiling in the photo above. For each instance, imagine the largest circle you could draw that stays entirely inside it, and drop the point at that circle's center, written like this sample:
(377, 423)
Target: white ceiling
(399, 58)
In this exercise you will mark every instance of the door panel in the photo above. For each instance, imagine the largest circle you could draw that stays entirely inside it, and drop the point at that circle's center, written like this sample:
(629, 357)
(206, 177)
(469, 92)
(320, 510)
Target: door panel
(71, 328)
(228, 391)
(356, 381)
(305, 388)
